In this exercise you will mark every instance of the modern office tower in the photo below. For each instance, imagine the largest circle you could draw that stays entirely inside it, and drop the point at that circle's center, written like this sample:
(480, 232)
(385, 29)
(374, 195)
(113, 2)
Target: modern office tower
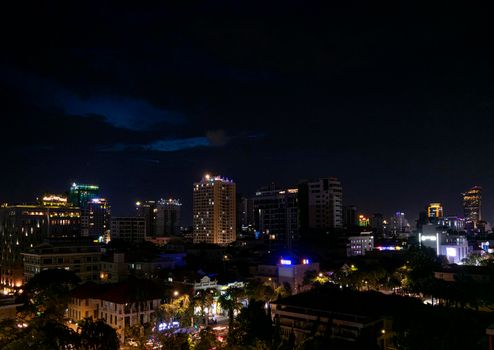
(434, 212)
(80, 194)
(148, 210)
(214, 210)
(24, 226)
(245, 212)
(377, 223)
(321, 204)
(276, 215)
(398, 224)
(130, 229)
(350, 220)
(168, 217)
(472, 207)
(95, 218)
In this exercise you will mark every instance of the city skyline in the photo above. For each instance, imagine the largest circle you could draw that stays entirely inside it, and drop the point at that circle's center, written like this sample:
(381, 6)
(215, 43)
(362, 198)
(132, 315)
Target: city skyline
(128, 208)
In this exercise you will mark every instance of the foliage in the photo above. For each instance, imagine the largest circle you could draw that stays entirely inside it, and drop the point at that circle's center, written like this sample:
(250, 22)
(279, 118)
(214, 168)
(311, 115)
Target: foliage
(47, 293)
(97, 335)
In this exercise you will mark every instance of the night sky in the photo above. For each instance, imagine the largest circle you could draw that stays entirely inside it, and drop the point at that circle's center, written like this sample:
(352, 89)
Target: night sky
(394, 98)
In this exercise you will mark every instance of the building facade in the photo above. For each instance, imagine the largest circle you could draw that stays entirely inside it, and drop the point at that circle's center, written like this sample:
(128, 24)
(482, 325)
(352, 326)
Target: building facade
(24, 226)
(321, 204)
(214, 210)
(82, 259)
(359, 245)
(472, 208)
(130, 229)
(121, 305)
(168, 217)
(276, 215)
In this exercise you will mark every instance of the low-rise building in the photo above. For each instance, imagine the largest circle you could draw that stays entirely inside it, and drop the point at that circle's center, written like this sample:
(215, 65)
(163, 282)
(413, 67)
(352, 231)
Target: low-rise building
(82, 259)
(359, 245)
(346, 317)
(121, 305)
(130, 229)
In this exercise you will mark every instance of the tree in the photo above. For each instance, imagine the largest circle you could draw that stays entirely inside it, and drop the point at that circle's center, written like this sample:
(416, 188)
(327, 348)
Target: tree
(252, 324)
(230, 301)
(97, 335)
(207, 340)
(47, 294)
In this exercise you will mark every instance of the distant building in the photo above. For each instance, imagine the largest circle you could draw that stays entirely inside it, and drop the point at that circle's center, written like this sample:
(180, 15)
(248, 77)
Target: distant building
(472, 207)
(148, 210)
(377, 223)
(363, 221)
(80, 194)
(130, 229)
(214, 210)
(168, 217)
(321, 204)
(245, 212)
(359, 245)
(95, 218)
(24, 226)
(453, 223)
(398, 224)
(453, 247)
(434, 212)
(276, 215)
(82, 259)
(350, 220)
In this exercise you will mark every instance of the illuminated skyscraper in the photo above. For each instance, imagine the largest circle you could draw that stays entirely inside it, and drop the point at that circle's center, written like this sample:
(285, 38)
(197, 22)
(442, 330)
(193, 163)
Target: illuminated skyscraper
(472, 207)
(80, 194)
(214, 210)
(434, 212)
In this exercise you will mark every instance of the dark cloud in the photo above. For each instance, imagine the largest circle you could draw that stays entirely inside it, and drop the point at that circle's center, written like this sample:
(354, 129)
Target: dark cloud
(393, 97)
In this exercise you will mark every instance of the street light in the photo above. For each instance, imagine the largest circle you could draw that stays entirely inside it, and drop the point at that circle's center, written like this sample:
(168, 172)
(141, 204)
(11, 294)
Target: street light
(175, 293)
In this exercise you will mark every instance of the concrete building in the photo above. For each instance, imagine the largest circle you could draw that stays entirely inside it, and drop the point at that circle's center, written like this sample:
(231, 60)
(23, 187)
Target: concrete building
(24, 226)
(349, 319)
(95, 218)
(214, 210)
(434, 212)
(359, 245)
(130, 229)
(148, 211)
(291, 271)
(168, 217)
(121, 305)
(276, 215)
(454, 247)
(321, 204)
(82, 259)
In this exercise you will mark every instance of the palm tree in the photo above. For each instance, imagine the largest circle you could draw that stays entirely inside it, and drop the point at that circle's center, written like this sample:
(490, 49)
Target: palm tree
(230, 301)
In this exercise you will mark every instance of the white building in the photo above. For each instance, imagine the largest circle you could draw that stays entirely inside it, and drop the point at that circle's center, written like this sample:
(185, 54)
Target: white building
(121, 305)
(358, 245)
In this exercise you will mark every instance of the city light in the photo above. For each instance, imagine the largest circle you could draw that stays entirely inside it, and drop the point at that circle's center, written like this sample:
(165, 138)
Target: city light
(285, 262)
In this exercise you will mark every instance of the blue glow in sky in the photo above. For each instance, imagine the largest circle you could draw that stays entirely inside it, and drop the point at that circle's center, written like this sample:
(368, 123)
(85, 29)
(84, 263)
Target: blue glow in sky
(126, 113)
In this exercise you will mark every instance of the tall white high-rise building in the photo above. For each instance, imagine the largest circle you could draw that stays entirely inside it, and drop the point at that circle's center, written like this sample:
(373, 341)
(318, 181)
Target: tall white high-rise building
(214, 210)
(324, 203)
